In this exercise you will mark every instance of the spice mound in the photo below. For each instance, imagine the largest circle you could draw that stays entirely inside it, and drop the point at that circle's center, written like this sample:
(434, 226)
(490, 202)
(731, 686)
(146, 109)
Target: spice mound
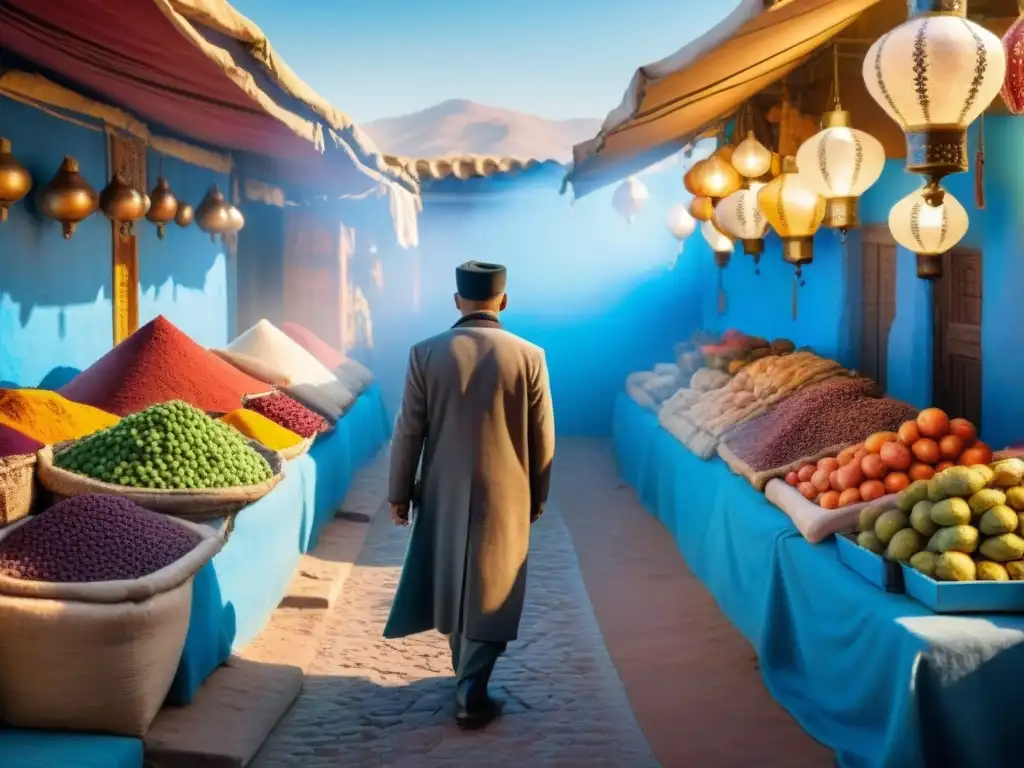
(261, 429)
(317, 347)
(288, 413)
(14, 443)
(94, 538)
(156, 364)
(49, 418)
(171, 446)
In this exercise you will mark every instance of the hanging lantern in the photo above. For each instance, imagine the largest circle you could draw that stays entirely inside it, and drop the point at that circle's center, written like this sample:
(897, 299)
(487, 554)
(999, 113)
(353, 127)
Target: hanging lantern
(795, 212)
(725, 152)
(185, 215)
(927, 230)
(690, 178)
(1013, 83)
(680, 223)
(934, 74)
(722, 247)
(122, 204)
(68, 198)
(739, 216)
(702, 209)
(163, 206)
(15, 181)
(840, 163)
(630, 198)
(752, 159)
(214, 215)
(716, 178)
(235, 219)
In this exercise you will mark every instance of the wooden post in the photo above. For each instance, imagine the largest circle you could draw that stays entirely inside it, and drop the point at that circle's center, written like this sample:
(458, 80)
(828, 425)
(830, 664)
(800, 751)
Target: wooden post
(128, 156)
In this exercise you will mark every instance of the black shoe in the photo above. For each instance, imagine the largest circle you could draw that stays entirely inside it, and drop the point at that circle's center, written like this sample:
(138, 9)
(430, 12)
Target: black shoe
(478, 716)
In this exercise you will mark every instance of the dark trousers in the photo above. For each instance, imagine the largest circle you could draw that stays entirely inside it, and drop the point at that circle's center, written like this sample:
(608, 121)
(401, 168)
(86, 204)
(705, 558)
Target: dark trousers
(473, 662)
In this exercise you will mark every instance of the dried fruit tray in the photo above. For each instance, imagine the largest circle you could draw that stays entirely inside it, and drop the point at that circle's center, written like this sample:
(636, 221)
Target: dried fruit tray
(884, 574)
(964, 596)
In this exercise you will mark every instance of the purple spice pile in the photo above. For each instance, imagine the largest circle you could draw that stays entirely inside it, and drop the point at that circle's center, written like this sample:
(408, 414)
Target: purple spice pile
(288, 413)
(837, 411)
(14, 443)
(93, 538)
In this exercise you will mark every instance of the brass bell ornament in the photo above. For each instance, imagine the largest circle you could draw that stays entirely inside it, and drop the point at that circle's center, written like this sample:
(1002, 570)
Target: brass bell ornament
(185, 215)
(216, 216)
(15, 181)
(68, 198)
(163, 207)
(122, 204)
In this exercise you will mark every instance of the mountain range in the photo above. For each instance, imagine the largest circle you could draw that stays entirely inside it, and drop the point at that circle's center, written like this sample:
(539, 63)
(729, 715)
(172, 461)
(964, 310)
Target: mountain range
(461, 127)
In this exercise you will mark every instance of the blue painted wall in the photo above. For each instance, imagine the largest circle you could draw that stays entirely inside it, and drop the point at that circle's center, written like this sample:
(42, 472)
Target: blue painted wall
(597, 293)
(55, 309)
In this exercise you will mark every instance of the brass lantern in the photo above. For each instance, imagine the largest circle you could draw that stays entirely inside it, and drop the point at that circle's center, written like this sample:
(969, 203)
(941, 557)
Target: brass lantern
(702, 209)
(122, 203)
(690, 178)
(15, 181)
(213, 216)
(163, 206)
(795, 212)
(185, 215)
(68, 198)
(716, 178)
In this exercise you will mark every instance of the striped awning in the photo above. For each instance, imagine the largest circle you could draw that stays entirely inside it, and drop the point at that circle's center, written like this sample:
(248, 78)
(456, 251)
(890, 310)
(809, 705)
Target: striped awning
(672, 101)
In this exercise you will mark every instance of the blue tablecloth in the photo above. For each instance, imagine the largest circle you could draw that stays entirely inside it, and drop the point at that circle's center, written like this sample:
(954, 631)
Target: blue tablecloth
(43, 749)
(235, 594)
(875, 676)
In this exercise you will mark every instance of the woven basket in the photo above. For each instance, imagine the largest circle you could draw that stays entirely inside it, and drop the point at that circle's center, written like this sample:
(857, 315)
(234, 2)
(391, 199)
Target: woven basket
(246, 399)
(297, 450)
(96, 657)
(17, 487)
(197, 505)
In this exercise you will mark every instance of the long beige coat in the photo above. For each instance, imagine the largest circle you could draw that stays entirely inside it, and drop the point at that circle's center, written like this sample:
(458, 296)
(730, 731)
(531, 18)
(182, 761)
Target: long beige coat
(477, 406)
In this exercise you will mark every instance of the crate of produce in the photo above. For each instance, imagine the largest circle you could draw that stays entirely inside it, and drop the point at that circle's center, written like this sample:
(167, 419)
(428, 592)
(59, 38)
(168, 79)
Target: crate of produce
(874, 568)
(964, 596)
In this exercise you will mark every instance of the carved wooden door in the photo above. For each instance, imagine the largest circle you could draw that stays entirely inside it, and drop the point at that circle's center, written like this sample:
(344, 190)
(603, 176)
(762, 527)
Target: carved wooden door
(128, 158)
(957, 335)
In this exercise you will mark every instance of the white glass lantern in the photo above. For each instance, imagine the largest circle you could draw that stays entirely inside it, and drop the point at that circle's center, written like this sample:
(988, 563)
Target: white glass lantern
(934, 75)
(751, 159)
(928, 230)
(840, 163)
(720, 243)
(795, 212)
(739, 216)
(630, 198)
(680, 223)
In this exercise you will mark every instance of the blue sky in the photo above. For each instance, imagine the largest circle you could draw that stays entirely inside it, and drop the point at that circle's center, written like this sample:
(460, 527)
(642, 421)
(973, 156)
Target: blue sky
(554, 58)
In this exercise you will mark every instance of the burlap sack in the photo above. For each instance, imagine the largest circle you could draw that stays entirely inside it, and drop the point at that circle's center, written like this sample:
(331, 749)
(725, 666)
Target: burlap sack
(103, 661)
(200, 504)
(300, 449)
(17, 487)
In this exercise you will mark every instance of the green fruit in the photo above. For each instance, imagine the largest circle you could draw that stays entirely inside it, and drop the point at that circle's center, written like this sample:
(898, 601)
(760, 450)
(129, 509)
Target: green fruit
(904, 545)
(913, 493)
(1007, 473)
(989, 571)
(1015, 570)
(955, 566)
(960, 481)
(921, 518)
(998, 520)
(869, 541)
(957, 538)
(1015, 498)
(985, 499)
(868, 516)
(985, 471)
(1004, 548)
(925, 563)
(935, 492)
(889, 522)
(952, 511)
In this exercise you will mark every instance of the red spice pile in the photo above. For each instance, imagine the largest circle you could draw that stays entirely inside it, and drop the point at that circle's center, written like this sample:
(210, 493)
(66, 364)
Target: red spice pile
(317, 347)
(156, 364)
(14, 443)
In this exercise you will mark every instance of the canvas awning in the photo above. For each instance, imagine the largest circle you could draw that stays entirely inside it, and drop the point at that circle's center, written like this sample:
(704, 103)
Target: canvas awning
(670, 102)
(205, 72)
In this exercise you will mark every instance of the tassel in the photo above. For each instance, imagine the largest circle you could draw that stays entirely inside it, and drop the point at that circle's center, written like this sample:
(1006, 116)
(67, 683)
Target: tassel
(796, 287)
(979, 167)
(721, 294)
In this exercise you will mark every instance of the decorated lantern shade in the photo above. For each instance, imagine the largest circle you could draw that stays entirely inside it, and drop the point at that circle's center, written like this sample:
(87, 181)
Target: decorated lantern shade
(716, 178)
(680, 223)
(928, 230)
(701, 208)
(795, 212)
(840, 163)
(739, 216)
(934, 74)
(630, 198)
(1013, 82)
(690, 178)
(752, 159)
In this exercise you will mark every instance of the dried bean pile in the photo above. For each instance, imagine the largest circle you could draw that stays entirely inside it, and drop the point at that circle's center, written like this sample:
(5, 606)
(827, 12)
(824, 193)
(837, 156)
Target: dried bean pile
(288, 413)
(93, 538)
(838, 411)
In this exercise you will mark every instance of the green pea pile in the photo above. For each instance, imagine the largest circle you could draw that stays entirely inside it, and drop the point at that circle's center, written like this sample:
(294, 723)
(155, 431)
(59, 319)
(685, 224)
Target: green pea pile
(169, 446)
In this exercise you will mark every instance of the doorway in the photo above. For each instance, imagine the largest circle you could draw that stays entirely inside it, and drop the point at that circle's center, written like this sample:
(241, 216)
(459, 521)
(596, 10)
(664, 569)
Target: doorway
(878, 301)
(957, 305)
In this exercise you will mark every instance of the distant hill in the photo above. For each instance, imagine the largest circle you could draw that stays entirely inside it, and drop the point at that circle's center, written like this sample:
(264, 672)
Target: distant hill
(464, 127)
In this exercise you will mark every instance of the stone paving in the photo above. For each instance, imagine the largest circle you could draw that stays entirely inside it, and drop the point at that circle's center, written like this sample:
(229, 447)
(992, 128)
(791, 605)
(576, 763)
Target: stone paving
(369, 702)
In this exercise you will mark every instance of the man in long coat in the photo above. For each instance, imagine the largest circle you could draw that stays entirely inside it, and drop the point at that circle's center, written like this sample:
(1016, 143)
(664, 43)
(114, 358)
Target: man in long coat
(476, 419)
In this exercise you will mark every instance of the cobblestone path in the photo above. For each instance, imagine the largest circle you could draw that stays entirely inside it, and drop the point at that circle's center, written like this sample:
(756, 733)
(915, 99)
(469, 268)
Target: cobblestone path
(371, 703)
